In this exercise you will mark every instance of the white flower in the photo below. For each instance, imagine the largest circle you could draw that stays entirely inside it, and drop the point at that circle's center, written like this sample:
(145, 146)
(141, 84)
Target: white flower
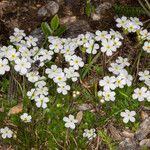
(4, 66)
(121, 22)
(144, 34)
(116, 68)
(140, 93)
(13, 55)
(60, 78)
(70, 122)
(25, 117)
(147, 82)
(42, 90)
(146, 47)
(131, 26)
(108, 83)
(53, 71)
(123, 61)
(56, 45)
(89, 133)
(127, 77)
(31, 41)
(128, 116)
(15, 39)
(6, 132)
(120, 82)
(109, 95)
(91, 47)
(144, 75)
(21, 65)
(108, 47)
(41, 101)
(101, 35)
(40, 83)
(18, 32)
(63, 88)
(71, 74)
(76, 62)
(32, 94)
(32, 76)
(68, 50)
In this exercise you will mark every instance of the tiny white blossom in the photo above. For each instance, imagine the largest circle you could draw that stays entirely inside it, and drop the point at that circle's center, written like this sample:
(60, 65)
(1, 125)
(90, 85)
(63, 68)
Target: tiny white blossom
(89, 133)
(108, 83)
(140, 93)
(70, 121)
(6, 133)
(4, 66)
(25, 117)
(21, 65)
(41, 101)
(128, 116)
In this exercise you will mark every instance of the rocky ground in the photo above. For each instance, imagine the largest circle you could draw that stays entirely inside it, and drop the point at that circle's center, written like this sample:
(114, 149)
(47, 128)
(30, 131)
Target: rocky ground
(29, 15)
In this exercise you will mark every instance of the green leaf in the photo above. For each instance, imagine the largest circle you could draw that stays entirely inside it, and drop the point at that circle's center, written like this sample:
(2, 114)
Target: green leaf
(88, 9)
(54, 22)
(46, 29)
(60, 31)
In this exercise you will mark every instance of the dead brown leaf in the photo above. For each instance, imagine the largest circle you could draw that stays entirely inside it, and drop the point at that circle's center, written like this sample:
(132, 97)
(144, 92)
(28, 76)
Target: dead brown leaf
(127, 134)
(83, 107)
(144, 115)
(16, 109)
(79, 116)
(114, 133)
(1, 109)
(145, 142)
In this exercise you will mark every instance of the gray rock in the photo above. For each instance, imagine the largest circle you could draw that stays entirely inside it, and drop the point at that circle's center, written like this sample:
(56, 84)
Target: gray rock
(128, 144)
(38, 34)
(50, 9)
(76, 28)
(144, 130)
(100, 11)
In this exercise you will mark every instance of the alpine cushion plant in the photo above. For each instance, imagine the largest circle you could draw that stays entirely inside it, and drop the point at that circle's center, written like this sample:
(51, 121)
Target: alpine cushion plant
(49, 75)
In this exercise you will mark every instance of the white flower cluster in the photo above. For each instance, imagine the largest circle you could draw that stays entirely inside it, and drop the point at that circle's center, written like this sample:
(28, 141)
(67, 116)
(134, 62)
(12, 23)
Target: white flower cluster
(40, 93)
(143, 93)
(133, 25)
(118, 80)
(70, 122)
(110, 41)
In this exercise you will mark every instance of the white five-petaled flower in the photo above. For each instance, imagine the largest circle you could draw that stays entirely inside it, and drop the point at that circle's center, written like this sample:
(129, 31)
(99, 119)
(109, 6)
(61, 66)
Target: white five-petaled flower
(6, 133)
(41, 101)
(63, 88)
(108, 47)
(140, 94)
(109, 95)
(128, 116)
(31, 41)
(146, 46)
(144, 75)
(70, 121)
(32, 76)
(89, 133)
(108, 83)
(4, 66)
(76, 62)
(22, 66)
(25, 117)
